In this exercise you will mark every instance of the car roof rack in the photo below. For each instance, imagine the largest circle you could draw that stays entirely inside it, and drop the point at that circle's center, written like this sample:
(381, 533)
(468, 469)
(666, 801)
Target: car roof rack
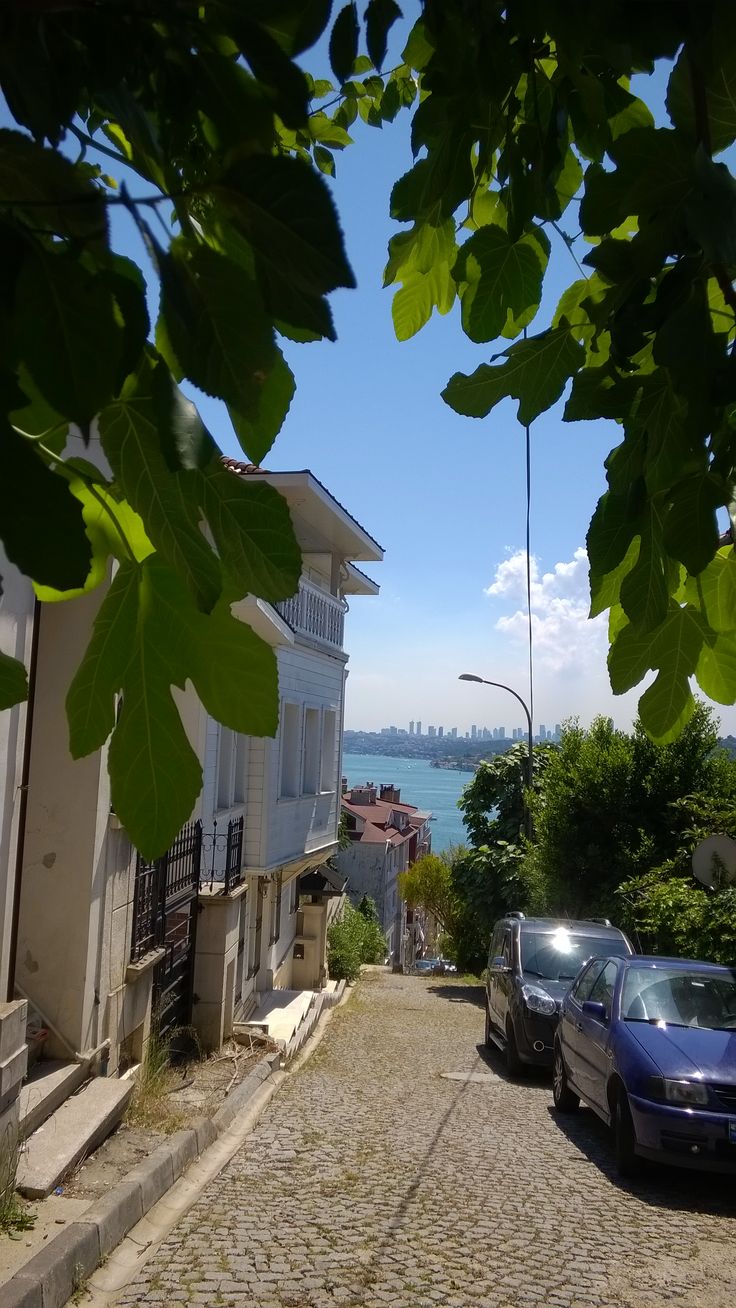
(516, 913)
(600, 921)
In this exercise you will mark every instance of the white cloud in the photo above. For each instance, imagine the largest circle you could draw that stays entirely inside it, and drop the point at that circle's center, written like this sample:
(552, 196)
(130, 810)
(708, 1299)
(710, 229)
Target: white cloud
(565, 640)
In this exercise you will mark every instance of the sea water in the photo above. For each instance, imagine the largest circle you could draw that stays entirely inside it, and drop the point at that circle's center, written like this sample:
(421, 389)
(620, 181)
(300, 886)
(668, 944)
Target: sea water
(436, 789)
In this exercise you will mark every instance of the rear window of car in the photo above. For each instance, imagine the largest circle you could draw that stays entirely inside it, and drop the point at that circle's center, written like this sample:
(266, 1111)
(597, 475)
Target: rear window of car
(559, 955)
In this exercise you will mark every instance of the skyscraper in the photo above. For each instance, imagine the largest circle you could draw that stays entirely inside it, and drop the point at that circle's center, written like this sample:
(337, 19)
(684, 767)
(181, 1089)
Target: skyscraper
(473, 732)
(418, 731)
(411, 728)
(431, 731)
(440, 731)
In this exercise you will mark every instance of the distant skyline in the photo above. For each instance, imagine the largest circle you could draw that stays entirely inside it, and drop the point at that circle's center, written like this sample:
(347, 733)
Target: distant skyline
(475, 731)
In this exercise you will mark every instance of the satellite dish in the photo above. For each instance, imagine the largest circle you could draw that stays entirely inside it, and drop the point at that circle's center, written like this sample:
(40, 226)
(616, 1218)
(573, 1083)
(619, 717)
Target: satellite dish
(714, 861)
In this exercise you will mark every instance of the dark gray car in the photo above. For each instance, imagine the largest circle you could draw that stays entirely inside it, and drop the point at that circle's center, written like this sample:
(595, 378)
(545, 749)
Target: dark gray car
(532, 963)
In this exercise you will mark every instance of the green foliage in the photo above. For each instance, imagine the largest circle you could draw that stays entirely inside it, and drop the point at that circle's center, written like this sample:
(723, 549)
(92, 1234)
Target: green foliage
(665, 908)
(615, 805)
(517, 113)
(672, 914)
(427, 884)
(207, 111)
(486, 878)
(354, 939)
(367, 907)
(520, 112)
(14, 1215)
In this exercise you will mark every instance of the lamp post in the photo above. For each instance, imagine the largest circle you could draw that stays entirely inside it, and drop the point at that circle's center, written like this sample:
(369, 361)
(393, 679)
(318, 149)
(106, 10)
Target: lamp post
(471, 676)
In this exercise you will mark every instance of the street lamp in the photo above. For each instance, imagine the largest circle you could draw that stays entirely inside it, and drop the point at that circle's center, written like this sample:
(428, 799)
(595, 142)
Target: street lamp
(471, 676)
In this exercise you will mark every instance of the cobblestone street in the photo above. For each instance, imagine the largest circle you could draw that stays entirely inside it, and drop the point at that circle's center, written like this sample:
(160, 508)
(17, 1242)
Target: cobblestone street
(374, 1179)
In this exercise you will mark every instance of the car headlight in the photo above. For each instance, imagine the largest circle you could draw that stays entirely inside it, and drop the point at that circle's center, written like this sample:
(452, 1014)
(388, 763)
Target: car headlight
(687, 1093)
(538, 1001)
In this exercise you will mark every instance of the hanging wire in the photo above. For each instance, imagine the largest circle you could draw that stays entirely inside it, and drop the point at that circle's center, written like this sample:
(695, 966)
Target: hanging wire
(528, 439)
(528, 435)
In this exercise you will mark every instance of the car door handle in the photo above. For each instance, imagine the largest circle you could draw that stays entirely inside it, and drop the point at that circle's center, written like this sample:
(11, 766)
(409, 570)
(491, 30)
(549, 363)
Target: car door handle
(578, 1026)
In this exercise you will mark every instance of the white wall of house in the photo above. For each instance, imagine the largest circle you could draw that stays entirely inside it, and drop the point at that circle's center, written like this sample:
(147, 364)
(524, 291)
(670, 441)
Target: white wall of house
(372, 870)
(287, 790)
(70, 877)
(293, 795)
(16, 632)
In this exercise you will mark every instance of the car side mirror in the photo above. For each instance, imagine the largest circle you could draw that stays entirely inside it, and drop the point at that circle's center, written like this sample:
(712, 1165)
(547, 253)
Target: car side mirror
(593, 1009)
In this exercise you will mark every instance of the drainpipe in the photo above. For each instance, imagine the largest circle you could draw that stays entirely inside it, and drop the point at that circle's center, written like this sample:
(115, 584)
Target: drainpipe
(23, 803)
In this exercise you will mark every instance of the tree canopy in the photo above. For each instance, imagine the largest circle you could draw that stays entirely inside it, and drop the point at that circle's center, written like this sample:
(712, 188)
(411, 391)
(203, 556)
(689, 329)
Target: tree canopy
(528, 135)
(613, 805)
(616, 819)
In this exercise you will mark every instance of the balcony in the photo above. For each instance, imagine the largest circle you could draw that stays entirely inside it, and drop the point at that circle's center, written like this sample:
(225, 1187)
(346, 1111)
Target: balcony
(315, 614)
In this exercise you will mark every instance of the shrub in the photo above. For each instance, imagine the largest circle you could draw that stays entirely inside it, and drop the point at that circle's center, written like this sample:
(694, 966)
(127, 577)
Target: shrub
(356, 938)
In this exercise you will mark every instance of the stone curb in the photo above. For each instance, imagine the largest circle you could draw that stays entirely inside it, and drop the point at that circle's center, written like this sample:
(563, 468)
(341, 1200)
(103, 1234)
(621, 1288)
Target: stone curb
(50, 1278)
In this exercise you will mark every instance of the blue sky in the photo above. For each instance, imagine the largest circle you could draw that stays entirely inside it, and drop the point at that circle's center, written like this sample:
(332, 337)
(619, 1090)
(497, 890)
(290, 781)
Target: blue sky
(444, 495)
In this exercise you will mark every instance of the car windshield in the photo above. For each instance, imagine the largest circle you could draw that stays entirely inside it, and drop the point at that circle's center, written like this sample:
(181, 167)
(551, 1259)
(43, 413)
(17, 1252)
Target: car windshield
(680, 997)
(559, 955)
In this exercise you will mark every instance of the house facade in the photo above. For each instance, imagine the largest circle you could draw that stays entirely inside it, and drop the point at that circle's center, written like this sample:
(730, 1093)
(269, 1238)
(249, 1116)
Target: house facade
(94, 937)
(386, 837)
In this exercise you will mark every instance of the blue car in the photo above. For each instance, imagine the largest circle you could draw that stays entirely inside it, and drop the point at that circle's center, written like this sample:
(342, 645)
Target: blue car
(650, 1044)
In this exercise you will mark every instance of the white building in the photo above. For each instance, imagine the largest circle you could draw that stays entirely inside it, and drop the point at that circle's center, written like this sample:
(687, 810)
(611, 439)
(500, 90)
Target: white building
(92, 935)
(386, 837)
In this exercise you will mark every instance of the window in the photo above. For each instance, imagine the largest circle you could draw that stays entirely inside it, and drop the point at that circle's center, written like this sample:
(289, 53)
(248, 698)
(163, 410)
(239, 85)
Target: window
(496, 944)
(241, 746)
(328, 779)
(311, 751)
(290, 729)
(255, 957)
(294, 900)
(559, 955)
(582, 990)
(231, 765)
(276, 909)
(602, 991)
(240, 961)
(225, 756)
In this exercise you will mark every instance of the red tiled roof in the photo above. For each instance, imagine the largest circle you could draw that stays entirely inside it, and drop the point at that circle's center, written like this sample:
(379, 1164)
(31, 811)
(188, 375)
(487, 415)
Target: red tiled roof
(377, 817)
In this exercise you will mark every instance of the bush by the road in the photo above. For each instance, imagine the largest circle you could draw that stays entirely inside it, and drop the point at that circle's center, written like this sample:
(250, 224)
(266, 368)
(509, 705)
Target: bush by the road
(356, 938)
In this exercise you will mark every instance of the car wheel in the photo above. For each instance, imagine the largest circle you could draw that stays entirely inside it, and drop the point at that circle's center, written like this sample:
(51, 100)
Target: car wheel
(514, 1065)
(488, 1041)
(566, 1101)
(627, 1161)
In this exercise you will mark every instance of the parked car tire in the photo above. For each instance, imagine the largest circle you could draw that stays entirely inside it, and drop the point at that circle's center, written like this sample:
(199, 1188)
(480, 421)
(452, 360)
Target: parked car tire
(514, 1065)
(628, 1163)
(566, 1101)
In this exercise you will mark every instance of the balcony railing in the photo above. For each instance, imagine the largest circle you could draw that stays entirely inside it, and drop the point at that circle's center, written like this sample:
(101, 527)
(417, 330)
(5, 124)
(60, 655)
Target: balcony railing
(223, 879)
(314, 613)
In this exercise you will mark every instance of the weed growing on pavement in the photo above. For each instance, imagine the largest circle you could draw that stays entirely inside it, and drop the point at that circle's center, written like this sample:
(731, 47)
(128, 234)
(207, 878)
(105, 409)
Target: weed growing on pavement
(14, 1215)
(79, 1285)
(157, 1078)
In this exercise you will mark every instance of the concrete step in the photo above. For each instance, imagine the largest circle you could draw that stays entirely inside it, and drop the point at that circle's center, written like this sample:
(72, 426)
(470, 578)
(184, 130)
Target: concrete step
(279, 1014)
(70, 1134)
(49, 1084)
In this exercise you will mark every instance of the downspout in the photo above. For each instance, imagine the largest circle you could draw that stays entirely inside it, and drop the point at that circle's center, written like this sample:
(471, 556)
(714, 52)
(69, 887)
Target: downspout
(23, 804)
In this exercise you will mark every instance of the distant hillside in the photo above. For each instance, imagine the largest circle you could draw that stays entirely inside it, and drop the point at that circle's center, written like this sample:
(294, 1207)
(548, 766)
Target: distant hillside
(729, 744)
(431, 747)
